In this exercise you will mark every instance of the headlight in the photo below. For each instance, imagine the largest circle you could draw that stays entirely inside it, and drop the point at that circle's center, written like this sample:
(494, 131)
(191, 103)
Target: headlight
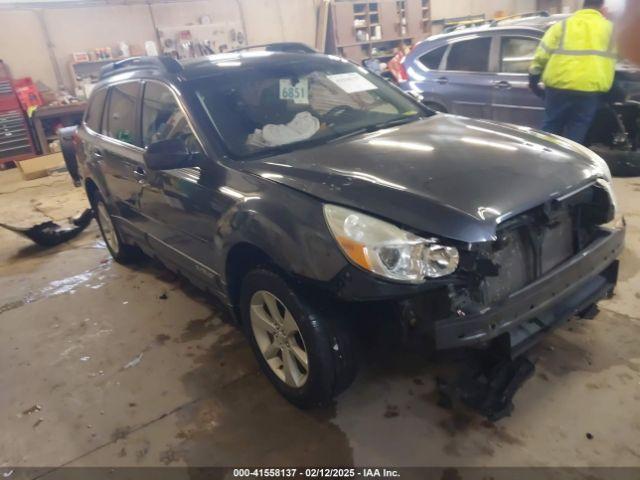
(386, 250)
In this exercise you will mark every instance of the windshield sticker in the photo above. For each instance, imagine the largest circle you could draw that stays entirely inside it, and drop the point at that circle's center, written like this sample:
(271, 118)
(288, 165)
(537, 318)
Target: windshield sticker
(352, 82)
(299, 92)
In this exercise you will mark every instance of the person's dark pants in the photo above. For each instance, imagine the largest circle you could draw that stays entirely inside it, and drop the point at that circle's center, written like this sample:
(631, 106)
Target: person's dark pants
(569, 114)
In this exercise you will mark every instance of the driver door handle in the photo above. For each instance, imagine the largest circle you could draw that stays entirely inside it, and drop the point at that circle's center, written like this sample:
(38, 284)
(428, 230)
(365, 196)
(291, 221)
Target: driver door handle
(501, 84)
(139, 174)
(442, 80)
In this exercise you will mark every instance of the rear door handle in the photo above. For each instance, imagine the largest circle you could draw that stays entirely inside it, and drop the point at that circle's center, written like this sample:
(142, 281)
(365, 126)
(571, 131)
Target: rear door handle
(139, 174)
(97, 153)
(442, 80)
(502, 84)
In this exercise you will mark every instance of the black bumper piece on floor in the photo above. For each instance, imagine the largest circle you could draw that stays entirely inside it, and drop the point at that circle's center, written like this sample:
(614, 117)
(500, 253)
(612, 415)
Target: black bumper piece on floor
(552, 299)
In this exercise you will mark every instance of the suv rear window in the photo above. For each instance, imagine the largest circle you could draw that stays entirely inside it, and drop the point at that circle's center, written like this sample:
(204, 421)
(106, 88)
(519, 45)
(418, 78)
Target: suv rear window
(432, 59)
(120, 122)
(470, 55)
(94, 112)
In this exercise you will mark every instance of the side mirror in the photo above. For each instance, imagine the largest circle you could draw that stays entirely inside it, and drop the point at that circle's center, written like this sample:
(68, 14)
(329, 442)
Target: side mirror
(170, 154)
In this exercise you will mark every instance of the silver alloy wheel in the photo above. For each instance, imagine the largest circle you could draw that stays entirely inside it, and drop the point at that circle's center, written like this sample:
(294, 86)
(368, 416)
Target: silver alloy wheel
(108, 230)
(279, 338)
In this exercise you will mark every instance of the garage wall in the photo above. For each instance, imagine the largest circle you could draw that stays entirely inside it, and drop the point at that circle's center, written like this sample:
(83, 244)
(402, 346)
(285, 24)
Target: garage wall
(460, 8)
(26, 55)
(72, 29)
(78, 29)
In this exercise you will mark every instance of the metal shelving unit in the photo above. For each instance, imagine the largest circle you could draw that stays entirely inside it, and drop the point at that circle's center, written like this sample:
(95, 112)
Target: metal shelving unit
(375, 29)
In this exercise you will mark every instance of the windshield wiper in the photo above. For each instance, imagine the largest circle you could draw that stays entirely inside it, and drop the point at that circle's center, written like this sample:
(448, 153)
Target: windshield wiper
(374, 128)
(393, 123)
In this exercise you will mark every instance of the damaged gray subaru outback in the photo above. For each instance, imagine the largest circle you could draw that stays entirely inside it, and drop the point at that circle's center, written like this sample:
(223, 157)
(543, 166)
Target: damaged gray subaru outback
(304, 191)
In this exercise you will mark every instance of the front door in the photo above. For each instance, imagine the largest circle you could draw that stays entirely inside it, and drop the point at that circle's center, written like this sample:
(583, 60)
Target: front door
(180, 206)
(466, 81)
(512, 101)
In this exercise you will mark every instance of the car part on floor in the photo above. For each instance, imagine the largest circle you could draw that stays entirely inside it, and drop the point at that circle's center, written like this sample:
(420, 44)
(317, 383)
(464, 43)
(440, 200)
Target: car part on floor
(50, 234)
(487, 385)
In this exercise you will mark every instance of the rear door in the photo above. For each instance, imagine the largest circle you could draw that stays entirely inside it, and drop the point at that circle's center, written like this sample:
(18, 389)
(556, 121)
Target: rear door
(466, 81)
(512, 101)
(120, 154)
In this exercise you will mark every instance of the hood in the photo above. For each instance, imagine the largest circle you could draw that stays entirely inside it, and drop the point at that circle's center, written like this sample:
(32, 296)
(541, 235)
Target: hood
(445, 175)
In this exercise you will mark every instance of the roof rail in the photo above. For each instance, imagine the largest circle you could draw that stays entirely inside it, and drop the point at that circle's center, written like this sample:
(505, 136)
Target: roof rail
(289, 47)
(540, 13)
(167, 64)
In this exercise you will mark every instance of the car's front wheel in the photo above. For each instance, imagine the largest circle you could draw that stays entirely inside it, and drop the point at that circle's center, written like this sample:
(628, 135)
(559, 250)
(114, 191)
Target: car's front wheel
(307, 356)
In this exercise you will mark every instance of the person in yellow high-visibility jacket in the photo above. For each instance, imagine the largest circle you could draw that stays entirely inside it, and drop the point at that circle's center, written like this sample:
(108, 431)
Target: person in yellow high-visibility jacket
(576, 61)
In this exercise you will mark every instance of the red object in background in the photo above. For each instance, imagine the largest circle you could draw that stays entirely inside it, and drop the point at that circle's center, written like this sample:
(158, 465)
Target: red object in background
(27, 93)
(15, 134)
(396, 67)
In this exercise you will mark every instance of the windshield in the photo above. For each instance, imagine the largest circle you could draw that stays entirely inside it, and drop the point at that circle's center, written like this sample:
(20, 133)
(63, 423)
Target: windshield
(277, 106)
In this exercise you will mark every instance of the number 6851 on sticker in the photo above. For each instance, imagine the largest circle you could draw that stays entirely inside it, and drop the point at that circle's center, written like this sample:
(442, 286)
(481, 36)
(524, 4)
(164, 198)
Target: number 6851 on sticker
(299, 92)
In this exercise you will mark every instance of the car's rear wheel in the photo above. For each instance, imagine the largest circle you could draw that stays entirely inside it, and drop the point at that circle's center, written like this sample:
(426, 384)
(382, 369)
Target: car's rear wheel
(307, 356)
(120, 251)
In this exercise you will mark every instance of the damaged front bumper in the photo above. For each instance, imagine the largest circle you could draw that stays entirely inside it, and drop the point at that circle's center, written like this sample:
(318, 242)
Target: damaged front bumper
(552, 299)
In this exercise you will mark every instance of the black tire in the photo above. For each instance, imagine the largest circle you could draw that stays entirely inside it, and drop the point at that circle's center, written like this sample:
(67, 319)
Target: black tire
(621, 163)
(120, 251)
(328, 343)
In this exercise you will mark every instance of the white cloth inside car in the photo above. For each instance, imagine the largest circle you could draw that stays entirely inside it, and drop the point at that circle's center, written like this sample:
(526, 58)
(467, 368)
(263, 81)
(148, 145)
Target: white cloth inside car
(303, 126)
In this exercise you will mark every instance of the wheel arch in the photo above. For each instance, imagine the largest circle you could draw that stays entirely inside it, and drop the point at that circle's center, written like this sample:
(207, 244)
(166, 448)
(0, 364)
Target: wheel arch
(92, 189)
(241, 259)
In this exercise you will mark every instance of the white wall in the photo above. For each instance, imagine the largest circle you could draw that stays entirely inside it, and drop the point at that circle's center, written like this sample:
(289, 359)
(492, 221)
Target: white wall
(81, 29)
(460, 8)
(22, 46)
(73, 29)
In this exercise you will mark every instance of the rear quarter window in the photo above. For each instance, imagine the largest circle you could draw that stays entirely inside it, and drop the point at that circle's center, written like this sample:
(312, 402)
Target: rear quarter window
(432, 59)
(94, 110)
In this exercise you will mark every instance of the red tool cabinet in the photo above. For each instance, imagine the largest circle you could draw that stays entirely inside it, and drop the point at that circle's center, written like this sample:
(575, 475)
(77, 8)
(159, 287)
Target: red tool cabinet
(15, 135)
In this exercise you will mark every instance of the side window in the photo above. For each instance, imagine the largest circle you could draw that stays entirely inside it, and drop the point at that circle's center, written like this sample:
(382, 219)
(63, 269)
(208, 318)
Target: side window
(162, 118)
(516, 54)
(94, 111)
(470, 55)
(432, 59)
(120, 120)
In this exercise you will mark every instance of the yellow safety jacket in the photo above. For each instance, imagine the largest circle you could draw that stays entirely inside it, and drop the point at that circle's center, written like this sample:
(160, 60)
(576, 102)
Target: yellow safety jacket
(577, 54)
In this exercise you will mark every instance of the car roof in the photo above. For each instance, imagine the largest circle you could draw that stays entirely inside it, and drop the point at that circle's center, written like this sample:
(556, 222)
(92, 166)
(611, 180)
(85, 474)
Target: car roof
(541, 22)
(189, 69)
(444, 38)
(205, 66)
(537, 24)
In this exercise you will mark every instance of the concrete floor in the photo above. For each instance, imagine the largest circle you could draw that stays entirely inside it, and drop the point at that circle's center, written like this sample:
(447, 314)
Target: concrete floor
(96, 369)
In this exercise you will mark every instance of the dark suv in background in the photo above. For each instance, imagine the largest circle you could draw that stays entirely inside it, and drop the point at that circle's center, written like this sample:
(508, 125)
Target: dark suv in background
(482, 72)
(304, 191)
